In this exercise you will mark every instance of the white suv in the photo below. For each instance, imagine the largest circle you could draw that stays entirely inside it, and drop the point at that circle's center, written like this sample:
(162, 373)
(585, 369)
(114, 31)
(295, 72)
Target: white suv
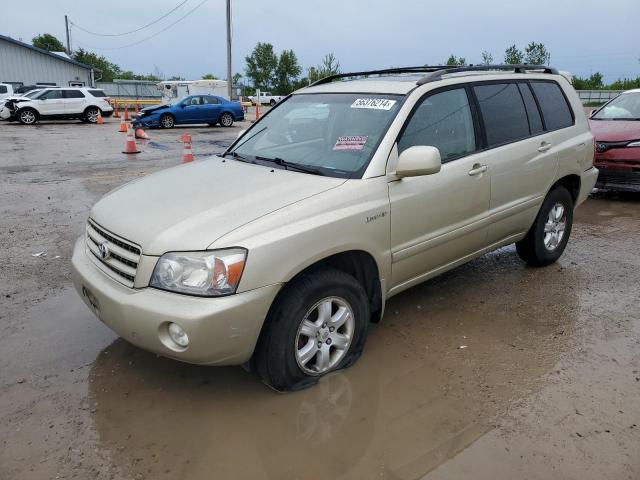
(281, 251)
(66, 102)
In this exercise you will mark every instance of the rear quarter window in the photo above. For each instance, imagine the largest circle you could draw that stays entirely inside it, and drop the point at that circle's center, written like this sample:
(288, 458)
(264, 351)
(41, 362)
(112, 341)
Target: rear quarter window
(553, 104)
(97, 93)
(3, 89)
(503, 113)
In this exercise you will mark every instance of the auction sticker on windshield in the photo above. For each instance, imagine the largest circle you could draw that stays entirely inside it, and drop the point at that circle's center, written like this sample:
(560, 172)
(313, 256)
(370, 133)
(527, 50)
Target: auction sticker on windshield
(373, 103)
(350, 142)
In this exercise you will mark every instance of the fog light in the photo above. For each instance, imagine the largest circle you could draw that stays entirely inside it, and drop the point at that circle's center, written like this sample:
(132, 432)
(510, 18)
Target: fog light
(178, 335)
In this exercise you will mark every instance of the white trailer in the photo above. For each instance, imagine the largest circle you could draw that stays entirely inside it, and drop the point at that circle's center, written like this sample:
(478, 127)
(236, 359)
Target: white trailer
(181, 88)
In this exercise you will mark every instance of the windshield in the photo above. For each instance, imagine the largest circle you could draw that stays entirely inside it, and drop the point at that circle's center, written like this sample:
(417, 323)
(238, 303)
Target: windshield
(624, 107)
(32, 94)
(334, 134)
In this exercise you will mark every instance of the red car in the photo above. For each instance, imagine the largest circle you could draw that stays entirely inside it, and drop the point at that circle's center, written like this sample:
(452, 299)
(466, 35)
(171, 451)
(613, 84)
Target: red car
(616, 129)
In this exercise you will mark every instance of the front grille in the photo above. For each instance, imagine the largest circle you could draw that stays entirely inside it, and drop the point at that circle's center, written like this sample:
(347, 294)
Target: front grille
(118, 257)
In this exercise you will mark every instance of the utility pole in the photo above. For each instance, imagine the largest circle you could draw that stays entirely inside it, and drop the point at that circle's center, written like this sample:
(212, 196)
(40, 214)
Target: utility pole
(229, 74)
(66, 28)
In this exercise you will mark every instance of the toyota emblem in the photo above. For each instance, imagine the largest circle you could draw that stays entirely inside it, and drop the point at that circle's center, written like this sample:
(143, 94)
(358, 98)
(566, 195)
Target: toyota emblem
(601, 147)
(103, 248)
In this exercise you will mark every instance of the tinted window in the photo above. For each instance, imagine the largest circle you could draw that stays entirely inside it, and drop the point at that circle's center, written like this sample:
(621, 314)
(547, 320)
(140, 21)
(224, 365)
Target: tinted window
(3, 89)
(535, 122)
(444, 121)
(555, 110)
(51, 94)
(210, 100)
(503, 113)
(73, 94)
(193, 101)
(97, 93)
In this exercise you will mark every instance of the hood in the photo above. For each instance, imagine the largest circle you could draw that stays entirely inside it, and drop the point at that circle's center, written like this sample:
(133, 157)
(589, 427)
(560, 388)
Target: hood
(188, 207)
(615, 130)
(154, 107)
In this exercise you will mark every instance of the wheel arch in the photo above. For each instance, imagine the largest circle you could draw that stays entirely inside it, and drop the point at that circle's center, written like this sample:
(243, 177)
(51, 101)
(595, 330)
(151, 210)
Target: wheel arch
(571, 182)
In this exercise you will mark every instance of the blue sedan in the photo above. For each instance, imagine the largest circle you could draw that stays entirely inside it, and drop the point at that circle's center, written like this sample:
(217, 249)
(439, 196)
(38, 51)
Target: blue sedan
(193, 109)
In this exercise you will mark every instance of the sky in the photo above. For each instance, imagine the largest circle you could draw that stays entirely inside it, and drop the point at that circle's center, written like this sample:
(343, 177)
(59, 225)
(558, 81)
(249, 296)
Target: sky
(583, 36)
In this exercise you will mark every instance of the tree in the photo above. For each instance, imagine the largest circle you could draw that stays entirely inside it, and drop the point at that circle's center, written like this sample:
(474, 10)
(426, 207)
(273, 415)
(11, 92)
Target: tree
(108, 70)
(536, 54)
(594, 82)
(287, 72)
(487, 58)
(236, 78)
(176, 78)
(261, 65)
(209, 76)
(48, 42)
(513, 55)
(330, 66)
(456, 61)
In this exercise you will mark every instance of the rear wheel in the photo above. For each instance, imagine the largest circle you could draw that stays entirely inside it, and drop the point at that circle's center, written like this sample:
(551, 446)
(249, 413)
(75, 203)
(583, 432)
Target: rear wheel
(167, 121)
(272, 102)
(226, 120)
(28, 116)
(548, 236)
(319, 324)
(91, 115)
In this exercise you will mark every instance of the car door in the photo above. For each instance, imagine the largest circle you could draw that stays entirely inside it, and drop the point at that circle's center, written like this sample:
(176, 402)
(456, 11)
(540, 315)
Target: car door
(191, 110)
(522, 161)
(440, 219)
(51, 102)
(211, 109)
(74, 101)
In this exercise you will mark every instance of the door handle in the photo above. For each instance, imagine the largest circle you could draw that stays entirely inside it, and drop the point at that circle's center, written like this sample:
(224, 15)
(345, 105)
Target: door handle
(544, 146)
(477, 169)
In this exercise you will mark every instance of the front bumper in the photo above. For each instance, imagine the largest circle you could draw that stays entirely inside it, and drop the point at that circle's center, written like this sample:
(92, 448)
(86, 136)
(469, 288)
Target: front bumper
(146, 121)
(619, 179)
(222, 331)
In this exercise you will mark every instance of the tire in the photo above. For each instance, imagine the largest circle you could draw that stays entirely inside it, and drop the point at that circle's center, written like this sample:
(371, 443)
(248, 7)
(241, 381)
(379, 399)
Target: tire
(284, 357)
(548, 236)
(91, 115)
(272, 102)
(167, 121)
(27, 116)
(226, 119)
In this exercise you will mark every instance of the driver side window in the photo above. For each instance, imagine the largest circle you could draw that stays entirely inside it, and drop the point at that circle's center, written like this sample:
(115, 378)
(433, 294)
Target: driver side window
(51, 94)
(441, 120)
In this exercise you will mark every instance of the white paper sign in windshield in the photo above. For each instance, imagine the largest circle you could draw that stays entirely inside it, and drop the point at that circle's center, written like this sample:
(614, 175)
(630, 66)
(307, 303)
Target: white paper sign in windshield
(373, 103)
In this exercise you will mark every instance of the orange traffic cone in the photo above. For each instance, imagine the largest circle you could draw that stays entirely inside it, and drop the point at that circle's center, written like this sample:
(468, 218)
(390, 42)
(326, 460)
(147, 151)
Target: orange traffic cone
(116, 113)
(187, 154)
(100, 121)
(257, 111)
(135, 108)
(140, 133)
(126, 112)
(130, 144)
(123, 125)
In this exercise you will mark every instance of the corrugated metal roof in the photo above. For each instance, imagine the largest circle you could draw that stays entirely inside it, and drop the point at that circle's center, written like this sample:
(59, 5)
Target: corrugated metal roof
(45, 52)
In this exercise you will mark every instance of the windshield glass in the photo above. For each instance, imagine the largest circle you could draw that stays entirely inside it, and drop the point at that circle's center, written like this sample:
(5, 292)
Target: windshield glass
(33, 94)
(335, 133)
(623, 107)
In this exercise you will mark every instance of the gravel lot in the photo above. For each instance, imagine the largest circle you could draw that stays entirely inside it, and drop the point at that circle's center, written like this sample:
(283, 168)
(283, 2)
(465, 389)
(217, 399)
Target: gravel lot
(547, 386)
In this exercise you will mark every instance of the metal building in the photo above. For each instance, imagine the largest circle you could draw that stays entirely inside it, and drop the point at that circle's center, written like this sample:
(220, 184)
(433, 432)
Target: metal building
(24, 64)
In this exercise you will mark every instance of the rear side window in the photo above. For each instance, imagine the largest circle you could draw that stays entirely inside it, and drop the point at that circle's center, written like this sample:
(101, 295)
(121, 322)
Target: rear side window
(554, 106)
(535, 122)
(3, 89)
(503, 113)
(210, 100)
(442, 120)
(51, 94)
(97, 93)
(73, 94)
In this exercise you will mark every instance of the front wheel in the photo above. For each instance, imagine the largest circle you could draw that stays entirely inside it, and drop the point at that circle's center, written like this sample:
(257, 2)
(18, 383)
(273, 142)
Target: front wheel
(27, 116)
(226, 120)
(549, 234)
(319, 324)
(167, 121)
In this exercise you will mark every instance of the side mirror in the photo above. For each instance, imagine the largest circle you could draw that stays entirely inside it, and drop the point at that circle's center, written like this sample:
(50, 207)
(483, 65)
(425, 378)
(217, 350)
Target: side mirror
(241, 132)
(418, 161)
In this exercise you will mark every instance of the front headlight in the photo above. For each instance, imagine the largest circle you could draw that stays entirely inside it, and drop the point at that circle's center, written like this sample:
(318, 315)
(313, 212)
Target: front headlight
(207, 274)
(635, 143)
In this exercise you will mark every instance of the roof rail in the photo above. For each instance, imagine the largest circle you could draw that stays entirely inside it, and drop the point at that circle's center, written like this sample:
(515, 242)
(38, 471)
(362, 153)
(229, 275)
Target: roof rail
(519, 68)
(420, 69)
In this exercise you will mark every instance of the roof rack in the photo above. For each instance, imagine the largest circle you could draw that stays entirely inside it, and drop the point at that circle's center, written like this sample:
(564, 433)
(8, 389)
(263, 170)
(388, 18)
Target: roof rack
(436, 72)
(387, 71)
(519, 68)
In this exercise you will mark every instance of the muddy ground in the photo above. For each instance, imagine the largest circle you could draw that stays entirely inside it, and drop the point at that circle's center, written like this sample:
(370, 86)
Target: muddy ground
(546, 386)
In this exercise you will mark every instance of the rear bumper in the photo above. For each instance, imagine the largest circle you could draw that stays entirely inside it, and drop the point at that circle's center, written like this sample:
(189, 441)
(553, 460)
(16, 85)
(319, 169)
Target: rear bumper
(587, 182)
(624, 180)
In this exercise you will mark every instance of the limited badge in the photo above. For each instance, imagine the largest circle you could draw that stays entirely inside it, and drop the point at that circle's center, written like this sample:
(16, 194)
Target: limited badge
(350, 142)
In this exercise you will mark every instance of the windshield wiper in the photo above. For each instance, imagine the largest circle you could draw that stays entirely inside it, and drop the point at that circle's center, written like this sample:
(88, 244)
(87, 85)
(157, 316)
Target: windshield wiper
(238, 157)
(292, 166)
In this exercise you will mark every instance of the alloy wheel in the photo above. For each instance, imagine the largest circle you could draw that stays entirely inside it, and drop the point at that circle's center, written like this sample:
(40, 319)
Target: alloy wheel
(555, 227)
(28, 117)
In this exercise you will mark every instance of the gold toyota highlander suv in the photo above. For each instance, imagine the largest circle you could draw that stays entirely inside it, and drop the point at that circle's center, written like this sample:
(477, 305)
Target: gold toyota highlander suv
(278, 253)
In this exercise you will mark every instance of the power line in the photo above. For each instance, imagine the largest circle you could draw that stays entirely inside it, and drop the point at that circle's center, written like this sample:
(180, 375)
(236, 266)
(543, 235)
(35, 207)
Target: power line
(155, 34)
(132, 31)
